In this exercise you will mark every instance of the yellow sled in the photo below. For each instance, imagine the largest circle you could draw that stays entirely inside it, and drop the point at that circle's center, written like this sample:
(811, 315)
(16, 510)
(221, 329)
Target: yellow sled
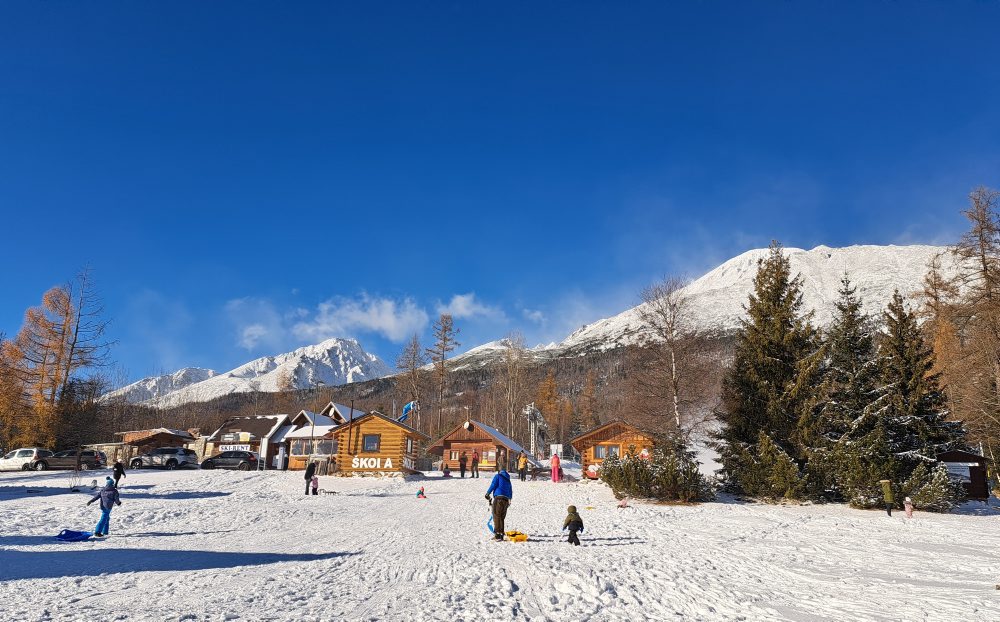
(516, 536)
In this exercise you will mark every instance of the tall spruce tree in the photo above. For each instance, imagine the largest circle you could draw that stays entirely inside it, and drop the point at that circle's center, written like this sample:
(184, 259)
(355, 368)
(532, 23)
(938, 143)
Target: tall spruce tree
(767, 386)
(906, 424)
(850, 380)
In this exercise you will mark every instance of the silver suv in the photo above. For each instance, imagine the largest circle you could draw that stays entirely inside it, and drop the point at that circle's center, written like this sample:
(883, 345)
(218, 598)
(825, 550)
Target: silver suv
(166, 458)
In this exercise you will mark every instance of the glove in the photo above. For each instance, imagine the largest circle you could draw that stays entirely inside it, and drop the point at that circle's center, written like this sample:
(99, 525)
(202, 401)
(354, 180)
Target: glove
(488, 500)
(89, 502)
(118, 503)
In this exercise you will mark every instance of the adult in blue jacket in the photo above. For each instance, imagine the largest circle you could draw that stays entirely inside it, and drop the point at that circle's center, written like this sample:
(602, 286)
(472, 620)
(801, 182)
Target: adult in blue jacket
(502, 493)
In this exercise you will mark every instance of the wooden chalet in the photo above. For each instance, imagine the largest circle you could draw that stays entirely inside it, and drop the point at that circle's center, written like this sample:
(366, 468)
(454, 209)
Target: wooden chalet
(611, 438)
(375, 444)
(969, 469)
(493, 447)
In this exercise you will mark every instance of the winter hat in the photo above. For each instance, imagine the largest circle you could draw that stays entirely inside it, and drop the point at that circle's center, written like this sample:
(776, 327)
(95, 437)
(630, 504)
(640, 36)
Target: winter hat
(907, 500)
(571, 509)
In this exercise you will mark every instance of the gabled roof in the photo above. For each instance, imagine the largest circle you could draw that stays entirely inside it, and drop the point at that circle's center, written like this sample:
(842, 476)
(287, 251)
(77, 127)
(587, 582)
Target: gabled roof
(153, 431)
(263, 426)
(496, 435)
(579, 439)
(376, 413)
(308, 431)
(340, 413)
(307, 418)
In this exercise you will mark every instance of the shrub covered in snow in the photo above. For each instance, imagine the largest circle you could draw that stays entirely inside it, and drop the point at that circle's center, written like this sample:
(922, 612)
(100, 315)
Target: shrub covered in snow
(671, 474)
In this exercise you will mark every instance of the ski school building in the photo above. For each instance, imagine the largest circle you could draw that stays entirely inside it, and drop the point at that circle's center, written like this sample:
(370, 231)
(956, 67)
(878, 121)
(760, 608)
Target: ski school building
(374, 444)
(613, 438)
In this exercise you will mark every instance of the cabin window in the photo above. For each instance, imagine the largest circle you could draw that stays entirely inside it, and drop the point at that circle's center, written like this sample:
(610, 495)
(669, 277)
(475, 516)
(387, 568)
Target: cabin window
(409, 445)
(300, 447)
(326, 447)
(371, 442)
(603, 451)
(454, 455)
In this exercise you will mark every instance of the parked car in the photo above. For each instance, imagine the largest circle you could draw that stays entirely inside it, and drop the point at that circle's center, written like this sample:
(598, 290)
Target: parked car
(167, 458)
(89, 459)
(22, 459)
(242, 460)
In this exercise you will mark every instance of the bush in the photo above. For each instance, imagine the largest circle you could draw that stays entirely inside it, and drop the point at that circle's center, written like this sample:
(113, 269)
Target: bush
(669, 475)
(932, 490)
(765, 471)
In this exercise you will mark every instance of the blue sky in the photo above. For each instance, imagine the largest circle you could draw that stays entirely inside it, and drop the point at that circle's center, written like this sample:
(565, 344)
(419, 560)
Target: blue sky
(244, 178)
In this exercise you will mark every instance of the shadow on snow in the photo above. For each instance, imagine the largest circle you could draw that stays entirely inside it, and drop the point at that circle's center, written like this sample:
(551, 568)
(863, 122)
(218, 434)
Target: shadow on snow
(90, 559)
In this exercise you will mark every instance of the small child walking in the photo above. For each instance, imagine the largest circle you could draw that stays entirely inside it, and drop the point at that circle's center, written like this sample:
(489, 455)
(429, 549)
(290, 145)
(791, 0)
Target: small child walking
(314, 482)
(574, 523)
(109, 499)
(908, 506)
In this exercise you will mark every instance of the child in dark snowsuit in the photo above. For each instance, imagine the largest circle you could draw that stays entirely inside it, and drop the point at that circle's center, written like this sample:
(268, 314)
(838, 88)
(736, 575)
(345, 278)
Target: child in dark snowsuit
(109, 498)
(119, 472)
(574, 523)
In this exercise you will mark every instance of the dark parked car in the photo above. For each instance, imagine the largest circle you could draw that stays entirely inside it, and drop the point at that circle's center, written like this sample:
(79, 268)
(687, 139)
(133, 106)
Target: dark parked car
(242, 460)
(167, 458)
(89, 459)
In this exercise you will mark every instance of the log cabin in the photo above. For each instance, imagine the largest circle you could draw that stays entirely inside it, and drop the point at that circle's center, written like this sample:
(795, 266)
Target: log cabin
(614, 437)
(375, 444)
(492, 445)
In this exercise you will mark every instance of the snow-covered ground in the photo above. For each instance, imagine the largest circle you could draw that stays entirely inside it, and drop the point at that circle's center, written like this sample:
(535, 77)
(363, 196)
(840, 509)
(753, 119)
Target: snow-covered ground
(215, 545)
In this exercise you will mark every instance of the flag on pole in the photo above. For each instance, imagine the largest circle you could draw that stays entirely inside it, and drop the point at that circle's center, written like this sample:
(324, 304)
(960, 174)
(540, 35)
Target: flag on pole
(406, 410)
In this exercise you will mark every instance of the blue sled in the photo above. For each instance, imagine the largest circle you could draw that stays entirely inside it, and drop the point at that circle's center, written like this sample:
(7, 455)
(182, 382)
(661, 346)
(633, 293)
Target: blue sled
(73, 536)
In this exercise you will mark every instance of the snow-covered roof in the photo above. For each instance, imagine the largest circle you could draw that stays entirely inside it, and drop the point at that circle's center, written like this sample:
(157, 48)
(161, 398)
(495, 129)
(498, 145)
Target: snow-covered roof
(261, 431)
(374, 413)
(308, 418)
(282, 433)
(504, 439)
(153, 431)
(309, 432)
(340, 413)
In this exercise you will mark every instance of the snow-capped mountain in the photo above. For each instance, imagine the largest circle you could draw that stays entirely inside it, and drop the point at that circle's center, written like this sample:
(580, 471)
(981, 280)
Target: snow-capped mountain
(716, 300)
(332, 362)
(158, 386)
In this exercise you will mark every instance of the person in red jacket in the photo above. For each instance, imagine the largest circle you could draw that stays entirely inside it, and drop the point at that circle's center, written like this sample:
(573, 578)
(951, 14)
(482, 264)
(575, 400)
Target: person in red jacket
(554, 463)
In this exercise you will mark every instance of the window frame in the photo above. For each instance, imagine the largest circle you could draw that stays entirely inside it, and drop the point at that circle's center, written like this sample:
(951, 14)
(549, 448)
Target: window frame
(364, 443)
(409, 445)
(605, 453)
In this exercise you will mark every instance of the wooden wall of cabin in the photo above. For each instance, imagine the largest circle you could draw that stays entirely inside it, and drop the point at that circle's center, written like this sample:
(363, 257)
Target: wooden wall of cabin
(622, 439)
(482, 446)
(392, 446)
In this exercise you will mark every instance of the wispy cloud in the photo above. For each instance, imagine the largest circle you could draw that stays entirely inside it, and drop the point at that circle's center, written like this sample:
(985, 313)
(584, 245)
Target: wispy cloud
(393, 319)
(160, 324)
(467, 306)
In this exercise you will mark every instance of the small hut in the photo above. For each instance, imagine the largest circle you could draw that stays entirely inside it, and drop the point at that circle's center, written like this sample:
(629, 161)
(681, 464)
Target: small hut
(493, 447)
(969, 469)
(373, 443)
(612, 438)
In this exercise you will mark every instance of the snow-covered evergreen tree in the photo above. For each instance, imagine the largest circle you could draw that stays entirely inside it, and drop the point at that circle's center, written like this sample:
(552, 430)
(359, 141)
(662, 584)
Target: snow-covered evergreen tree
(850, 380)
(771, 380)
(906, 424)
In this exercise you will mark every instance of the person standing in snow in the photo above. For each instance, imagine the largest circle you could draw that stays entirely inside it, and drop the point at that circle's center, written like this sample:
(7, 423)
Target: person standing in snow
(908, 506)
(522, 466)
(887, 495)
(109, 499)
(315, 484)
(502, 493)
(554, 463)
(310, 471)
(463, 460)
(118, 471)
(574, 523)
(475, 463)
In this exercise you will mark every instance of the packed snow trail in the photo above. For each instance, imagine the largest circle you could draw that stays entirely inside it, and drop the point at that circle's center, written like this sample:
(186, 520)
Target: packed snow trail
(217, 545)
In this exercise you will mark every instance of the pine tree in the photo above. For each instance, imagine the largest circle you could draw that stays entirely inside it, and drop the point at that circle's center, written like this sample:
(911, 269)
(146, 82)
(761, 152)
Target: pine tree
(766, 389)
(850, 378)
(444, 343)
(905, 425)
(587, 404)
